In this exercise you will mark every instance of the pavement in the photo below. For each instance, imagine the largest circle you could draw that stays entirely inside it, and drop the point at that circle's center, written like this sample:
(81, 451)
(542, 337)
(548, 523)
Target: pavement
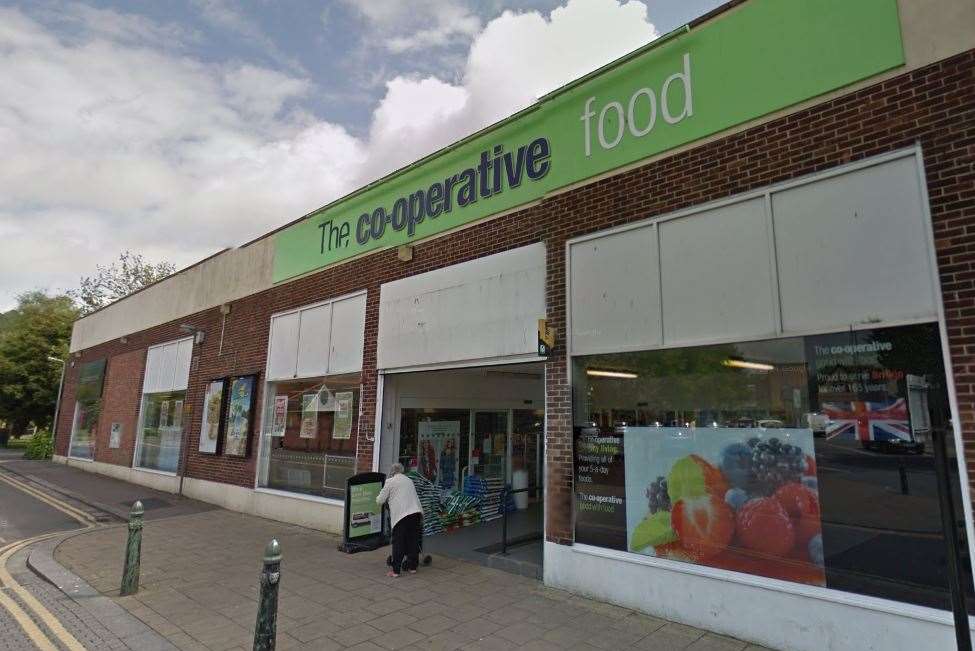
(200, 584)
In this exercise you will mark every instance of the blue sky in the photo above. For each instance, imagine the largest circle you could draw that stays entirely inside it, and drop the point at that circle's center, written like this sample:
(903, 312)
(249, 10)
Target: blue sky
(177, 128)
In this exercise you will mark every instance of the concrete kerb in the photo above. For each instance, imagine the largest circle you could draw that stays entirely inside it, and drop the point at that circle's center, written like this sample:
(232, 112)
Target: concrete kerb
(127, 627)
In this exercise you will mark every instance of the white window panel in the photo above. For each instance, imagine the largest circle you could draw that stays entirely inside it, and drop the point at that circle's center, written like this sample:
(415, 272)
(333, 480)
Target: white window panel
(184, 355)
(153, 381)
(485, 308)
(282, 356)
(854, 249)
(615, 292)
(314, 331)
(168, 366)
(716, 272)
(348, 328)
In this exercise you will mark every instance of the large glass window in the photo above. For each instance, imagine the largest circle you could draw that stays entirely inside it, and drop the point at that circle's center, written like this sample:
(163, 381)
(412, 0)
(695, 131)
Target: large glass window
(806, 459)
(84, 424)
(161, 431)
(310, 432)
(436, 443)
(83, 428)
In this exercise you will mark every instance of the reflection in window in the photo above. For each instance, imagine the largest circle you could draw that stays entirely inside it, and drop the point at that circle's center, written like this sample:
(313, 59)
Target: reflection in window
(310, 432)
(160, 431)
(83, 428)
(803, 459)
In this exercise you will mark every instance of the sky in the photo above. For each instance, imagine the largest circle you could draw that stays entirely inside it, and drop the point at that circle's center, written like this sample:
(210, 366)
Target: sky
(176, 129)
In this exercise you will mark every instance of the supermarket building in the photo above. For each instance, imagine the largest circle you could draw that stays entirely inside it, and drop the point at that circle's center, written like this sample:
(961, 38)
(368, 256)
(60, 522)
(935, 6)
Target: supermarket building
(753, 242)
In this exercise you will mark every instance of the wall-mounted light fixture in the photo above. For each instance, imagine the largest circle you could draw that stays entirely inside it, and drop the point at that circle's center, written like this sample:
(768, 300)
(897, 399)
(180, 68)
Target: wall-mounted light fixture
(405, 253)
(198, 335)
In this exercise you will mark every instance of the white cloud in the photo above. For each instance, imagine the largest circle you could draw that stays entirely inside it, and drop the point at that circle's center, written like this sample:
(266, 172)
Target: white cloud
(516, 58)
(418, 24)
(114, 140)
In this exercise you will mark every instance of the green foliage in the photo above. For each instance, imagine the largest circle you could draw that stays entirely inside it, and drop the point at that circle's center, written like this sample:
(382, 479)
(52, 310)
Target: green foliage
(19, 444)
(130, 273)
(38, 328)
(40, 446)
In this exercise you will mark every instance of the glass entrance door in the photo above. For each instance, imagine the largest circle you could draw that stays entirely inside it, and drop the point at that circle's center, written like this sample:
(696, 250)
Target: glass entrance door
(489, 447)
(526, 448)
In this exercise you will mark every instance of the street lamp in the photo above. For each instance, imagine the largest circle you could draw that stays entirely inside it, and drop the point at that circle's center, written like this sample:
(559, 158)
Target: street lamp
(57, 403)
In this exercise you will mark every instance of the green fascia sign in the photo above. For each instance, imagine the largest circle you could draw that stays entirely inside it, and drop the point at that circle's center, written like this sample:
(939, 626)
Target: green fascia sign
(757, 58)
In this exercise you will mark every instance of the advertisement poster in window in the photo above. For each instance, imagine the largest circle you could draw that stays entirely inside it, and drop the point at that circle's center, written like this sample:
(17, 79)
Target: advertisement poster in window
(864, 391)
(437, 451)
(239, 416)
(164, 414)
(177, 414)
(343, 415)
(212, 413)
(115, 436)
(740, 499)
(600, 488)
(279, 422)
(309, 416)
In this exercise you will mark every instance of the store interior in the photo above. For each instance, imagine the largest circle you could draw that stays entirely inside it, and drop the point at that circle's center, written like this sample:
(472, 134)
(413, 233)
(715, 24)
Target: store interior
(472, 441)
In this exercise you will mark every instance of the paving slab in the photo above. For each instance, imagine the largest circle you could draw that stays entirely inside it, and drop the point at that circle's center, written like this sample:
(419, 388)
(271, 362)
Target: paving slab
(200, 585)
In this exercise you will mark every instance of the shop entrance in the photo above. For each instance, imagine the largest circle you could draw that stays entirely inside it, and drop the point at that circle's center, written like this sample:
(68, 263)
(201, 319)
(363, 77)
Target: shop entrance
(472, 440)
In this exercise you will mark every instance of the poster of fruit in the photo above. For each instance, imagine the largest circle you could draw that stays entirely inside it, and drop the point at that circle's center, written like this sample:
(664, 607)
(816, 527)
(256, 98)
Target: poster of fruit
(740, 499)
(438, 445)
(212, 407)
(239, 406)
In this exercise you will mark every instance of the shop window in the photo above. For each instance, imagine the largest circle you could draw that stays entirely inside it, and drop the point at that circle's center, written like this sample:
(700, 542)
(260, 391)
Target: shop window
(805, 459)
(83, 428)
(160, 434)
(84, 424)
(310, 432)
(161, 431)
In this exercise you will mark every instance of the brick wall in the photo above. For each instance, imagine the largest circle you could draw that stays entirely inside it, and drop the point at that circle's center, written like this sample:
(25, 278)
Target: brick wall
(934, 106)
(120, 404)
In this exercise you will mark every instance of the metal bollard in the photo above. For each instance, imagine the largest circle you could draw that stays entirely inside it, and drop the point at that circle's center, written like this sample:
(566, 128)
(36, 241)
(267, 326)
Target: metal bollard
(265, 633)
(133, 552)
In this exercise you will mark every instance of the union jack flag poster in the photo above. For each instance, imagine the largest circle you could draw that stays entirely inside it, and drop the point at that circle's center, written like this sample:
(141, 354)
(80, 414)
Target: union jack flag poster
(868, 421)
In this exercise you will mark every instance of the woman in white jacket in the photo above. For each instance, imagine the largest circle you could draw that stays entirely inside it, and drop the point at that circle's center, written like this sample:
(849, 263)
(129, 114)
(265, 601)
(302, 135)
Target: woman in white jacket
(406, 516)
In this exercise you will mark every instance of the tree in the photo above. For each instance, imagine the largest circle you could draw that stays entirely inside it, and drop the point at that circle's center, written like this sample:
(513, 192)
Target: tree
(130, 273)
(39, 327)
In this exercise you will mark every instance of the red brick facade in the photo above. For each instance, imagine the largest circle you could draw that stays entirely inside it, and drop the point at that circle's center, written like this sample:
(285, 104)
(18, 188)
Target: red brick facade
(122, 393)
(933, 107)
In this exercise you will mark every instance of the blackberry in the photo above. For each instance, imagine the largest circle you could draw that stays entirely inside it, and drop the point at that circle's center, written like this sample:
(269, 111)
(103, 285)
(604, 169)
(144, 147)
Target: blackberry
(774, 464)
(657, 497)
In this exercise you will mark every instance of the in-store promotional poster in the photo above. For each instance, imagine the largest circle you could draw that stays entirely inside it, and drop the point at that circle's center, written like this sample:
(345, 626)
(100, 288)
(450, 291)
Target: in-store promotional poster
(748, 498)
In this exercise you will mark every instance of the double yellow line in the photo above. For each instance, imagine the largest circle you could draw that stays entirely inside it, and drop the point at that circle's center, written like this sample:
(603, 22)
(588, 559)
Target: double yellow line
(7, 582)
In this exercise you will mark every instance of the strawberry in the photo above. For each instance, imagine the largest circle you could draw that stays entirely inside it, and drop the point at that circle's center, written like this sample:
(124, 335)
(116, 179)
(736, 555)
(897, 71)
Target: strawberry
(764, 526)
(704, 525)
(810, 470)
(802, 505)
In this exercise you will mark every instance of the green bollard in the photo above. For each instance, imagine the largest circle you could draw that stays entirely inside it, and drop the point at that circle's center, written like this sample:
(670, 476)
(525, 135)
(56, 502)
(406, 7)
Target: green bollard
(133, 552)
(265, 633)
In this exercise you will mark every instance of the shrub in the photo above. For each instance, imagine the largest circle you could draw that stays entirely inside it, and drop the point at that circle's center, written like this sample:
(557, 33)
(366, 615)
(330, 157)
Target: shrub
(40, 447)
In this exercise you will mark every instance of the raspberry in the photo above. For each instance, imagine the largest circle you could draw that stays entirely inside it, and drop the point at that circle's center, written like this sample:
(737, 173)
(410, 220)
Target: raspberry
(764, 526)
(802, 506)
